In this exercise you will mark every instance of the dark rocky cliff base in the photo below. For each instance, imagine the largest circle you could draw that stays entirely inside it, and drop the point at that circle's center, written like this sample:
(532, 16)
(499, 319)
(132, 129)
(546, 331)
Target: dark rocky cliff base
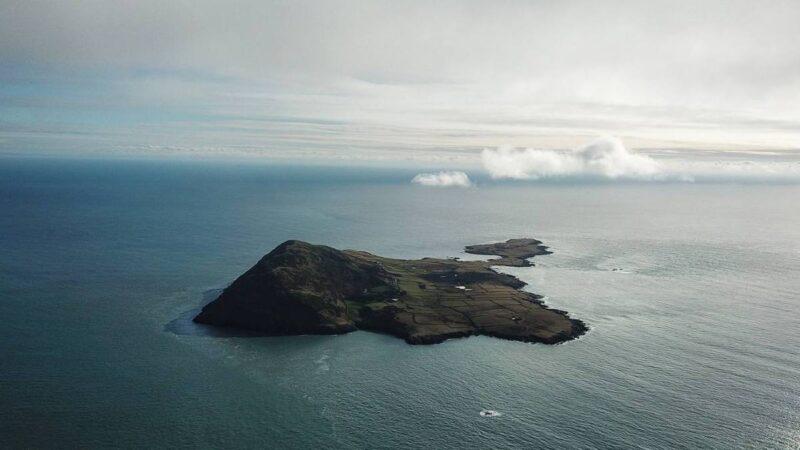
(300, 288)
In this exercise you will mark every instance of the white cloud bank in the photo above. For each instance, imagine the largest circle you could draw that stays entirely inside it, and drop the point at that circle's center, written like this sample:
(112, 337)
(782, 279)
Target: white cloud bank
(608, 159)
(443, 179)
(603, 158)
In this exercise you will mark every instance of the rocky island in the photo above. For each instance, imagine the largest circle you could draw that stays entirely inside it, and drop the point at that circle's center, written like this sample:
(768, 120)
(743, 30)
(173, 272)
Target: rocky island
(300, 288)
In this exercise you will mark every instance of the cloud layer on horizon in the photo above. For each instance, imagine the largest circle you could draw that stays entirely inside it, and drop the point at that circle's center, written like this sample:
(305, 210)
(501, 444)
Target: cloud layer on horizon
(606, 157)
(443, 179)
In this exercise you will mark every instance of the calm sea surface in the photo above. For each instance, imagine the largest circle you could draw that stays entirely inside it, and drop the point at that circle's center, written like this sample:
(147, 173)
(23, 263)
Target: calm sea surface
(692, 293)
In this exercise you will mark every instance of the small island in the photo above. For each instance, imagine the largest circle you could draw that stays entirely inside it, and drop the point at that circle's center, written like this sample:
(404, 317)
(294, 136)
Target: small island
(300, 288)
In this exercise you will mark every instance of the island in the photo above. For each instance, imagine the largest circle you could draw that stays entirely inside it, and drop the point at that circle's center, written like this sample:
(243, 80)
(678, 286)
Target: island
(301, 288)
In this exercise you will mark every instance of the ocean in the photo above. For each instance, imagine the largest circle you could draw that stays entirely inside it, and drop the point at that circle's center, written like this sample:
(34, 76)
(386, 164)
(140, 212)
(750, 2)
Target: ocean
(690, 290)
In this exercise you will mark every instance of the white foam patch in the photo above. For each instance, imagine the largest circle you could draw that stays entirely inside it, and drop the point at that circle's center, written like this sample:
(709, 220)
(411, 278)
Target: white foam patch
(443, 179)
(322, 363)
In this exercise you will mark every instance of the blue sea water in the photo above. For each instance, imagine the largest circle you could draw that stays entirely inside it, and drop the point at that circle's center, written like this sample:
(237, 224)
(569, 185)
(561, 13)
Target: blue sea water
(690, 290)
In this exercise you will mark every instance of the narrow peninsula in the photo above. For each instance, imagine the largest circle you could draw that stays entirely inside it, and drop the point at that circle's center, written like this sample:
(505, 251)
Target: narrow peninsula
(300, 288)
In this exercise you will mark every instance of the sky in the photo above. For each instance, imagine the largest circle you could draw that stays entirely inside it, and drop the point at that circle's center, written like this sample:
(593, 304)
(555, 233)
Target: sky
(397, 80)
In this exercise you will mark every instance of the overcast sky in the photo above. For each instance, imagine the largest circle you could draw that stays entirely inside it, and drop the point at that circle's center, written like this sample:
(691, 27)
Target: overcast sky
(396, 79)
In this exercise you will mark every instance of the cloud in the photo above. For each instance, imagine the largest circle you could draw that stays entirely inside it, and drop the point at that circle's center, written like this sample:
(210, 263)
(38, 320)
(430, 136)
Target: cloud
(449, 75)
(608, 159)
(443, 179)
(723, 170)
(603, 158)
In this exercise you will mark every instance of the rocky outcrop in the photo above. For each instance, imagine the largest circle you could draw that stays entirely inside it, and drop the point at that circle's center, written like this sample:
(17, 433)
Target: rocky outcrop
(300, 288)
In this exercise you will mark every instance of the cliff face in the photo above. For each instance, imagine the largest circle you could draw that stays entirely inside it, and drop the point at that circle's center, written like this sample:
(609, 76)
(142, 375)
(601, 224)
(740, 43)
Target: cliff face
(297, 288)
(300, 288)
